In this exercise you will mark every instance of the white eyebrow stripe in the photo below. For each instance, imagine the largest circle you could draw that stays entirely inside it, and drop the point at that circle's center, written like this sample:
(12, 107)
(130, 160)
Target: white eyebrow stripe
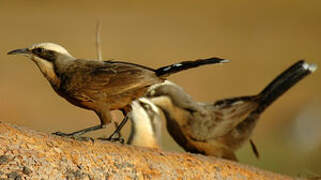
(52, 46)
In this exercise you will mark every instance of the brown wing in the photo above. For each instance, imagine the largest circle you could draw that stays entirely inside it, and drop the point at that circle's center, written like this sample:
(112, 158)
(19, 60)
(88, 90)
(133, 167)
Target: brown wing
(221, 118)
(117, 78)
(97, 80)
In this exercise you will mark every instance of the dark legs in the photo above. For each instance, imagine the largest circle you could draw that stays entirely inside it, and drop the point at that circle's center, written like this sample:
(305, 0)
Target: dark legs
(105, 118)
(117, 131)
(80, 132)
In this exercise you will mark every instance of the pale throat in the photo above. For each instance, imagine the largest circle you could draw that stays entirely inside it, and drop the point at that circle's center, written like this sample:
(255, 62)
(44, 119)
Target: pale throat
(47, 69)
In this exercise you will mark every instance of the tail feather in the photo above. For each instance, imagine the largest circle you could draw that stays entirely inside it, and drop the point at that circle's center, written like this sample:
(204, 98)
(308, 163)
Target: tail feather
(283, 83)
(174, 68)
(272, 92)
(275, 89)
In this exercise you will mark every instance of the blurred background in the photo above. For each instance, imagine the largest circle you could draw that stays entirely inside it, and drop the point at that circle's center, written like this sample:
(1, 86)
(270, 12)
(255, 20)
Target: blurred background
(262, 38)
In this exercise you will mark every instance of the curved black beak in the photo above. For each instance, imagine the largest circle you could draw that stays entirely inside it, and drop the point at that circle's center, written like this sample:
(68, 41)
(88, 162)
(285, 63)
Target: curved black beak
(19, 51)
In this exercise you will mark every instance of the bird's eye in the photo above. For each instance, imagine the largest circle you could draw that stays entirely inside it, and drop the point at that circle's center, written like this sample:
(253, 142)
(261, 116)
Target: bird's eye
(44, 54)
(38, 50)
(147, 107)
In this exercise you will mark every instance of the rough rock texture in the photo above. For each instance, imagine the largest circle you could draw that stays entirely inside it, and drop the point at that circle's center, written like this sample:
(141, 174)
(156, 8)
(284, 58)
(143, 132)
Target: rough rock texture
(27, 154)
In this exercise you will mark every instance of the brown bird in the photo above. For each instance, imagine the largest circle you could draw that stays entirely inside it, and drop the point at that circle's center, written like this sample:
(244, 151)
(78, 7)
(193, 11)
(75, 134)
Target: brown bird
(146, 124)
(100, 86)
(220, 128)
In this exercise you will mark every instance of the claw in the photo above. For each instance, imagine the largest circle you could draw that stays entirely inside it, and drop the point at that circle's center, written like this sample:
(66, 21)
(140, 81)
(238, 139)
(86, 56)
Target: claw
(75, 135)
(61, 134)
(119, 139)
(82, 138)
(111, 139)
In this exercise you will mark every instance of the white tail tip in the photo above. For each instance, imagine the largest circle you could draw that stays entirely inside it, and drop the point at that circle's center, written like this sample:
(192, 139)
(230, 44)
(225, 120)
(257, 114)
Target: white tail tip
(310, 67)
(313, 67)
(225, 61)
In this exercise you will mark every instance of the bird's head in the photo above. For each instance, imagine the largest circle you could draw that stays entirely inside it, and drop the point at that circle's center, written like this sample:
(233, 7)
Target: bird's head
(169, 96)
(143, 108)
(43, 51)
(46, 56)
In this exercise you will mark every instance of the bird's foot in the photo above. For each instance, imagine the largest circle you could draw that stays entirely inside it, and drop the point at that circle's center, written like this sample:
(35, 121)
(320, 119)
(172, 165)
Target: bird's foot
(84, 138)
(113, 139)
(80, 132)
(61, 134)
(72, 135)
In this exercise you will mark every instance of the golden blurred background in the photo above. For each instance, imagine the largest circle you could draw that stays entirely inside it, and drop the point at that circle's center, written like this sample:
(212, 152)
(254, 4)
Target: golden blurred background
(262, 38)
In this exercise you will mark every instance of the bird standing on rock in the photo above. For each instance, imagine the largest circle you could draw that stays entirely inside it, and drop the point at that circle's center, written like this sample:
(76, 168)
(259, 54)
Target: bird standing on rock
(101, 86)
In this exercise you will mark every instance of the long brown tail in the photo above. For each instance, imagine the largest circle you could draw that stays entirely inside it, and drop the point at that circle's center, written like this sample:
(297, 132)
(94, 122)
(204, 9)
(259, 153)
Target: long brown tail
(283, 83)
(276, 88)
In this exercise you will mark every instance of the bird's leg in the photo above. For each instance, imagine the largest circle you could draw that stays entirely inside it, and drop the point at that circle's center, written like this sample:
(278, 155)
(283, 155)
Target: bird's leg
(118, 129)
(105, 118)
(80, 132)
(121, 125)
(117, 134)
(254, 149)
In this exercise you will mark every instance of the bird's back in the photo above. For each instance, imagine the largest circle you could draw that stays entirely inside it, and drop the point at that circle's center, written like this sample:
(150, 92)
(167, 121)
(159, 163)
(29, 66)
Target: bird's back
(106, 81)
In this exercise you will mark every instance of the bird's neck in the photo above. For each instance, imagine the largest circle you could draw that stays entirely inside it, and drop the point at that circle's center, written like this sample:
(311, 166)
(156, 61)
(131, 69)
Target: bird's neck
(171, 94)
(47, 69)
(171, 111)
(52, 70)
(61, 63)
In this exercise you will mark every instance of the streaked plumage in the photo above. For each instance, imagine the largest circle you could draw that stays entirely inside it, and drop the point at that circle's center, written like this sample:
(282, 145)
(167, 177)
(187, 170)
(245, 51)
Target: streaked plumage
(100, 86)
(220, 128)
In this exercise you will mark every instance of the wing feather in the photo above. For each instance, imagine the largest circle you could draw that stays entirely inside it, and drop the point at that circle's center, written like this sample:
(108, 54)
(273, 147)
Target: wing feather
(102, 79)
